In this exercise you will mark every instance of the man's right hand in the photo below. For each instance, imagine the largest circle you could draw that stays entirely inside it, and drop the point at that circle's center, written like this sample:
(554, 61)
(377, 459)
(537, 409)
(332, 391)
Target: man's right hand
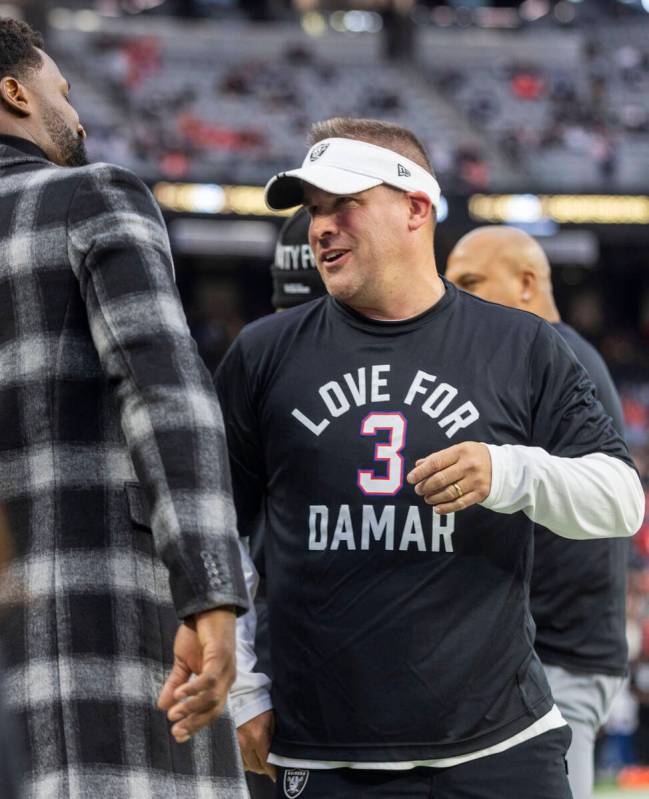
(209, 653)
(254, 741)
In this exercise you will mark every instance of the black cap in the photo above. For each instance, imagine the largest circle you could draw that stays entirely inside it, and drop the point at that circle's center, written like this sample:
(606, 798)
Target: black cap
(295, 277)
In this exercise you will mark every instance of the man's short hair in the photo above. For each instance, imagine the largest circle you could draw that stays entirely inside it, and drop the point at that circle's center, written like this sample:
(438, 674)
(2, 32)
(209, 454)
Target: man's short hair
(383, 134)
(374, 131)
(18, 53)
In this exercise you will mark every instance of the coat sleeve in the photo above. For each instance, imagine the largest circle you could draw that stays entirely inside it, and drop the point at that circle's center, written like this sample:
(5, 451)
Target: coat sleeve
(169, 412)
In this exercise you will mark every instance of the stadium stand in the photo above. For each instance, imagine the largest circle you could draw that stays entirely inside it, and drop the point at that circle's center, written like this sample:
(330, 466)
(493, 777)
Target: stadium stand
(567, 107)
(233, 103)
(562, 110)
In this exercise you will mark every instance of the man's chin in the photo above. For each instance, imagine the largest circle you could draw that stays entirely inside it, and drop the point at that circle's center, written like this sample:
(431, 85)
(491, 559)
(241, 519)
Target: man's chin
(74, 155)
(341, 290)
(78, 158)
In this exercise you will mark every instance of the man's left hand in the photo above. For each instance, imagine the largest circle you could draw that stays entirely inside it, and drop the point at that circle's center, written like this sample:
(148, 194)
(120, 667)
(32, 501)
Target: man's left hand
(455, 478)
(254, 741)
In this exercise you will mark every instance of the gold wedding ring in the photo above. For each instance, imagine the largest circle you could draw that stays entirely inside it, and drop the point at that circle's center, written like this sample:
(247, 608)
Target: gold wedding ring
(458, 490)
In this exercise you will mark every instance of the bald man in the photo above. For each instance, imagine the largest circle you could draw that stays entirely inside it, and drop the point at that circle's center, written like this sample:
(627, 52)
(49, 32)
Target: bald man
(578, 588)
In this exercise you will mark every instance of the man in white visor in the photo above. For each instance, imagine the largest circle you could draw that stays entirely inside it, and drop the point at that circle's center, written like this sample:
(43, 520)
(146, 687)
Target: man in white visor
(402, 437)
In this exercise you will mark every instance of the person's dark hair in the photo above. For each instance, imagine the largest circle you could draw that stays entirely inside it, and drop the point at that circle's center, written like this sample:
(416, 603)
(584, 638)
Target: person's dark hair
(18, 43)
(384, 134)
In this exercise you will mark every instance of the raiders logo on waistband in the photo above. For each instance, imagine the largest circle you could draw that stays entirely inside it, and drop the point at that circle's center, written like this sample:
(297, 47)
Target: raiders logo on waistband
(318, 151)
(295, 780)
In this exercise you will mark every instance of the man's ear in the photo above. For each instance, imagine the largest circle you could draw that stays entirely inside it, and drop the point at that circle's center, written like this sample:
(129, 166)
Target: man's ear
(528, 286)
(420, 209)
(14, 96)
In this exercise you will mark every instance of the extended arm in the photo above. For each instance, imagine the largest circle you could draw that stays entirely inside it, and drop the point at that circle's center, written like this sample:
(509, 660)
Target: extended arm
(172, 426)
(575, 476)
(595, 496)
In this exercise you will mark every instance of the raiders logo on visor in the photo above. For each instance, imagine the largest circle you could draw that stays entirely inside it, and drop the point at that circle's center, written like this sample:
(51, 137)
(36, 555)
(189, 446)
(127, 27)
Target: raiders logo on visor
(318, 151)
(295, 780)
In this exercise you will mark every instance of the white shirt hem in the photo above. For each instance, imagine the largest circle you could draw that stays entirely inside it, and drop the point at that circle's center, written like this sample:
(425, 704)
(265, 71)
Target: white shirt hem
(551, 721)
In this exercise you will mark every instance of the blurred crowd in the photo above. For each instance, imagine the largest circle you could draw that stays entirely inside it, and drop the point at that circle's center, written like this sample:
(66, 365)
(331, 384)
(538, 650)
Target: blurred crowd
(580, 107)
(573, 107)
(239, 118)
(572, 121)
(624, 742)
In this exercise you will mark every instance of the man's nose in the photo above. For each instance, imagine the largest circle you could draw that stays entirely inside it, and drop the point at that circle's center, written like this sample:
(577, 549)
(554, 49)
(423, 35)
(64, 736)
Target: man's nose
(323, 225)
(81, 131)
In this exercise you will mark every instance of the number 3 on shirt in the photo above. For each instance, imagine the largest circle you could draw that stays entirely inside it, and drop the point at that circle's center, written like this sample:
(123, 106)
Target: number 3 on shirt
(389, 451)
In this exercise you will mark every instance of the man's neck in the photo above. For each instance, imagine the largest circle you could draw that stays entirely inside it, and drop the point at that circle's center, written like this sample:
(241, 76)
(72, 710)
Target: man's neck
(403, 304)
(546, 310)
(21, 141)
(18, 128)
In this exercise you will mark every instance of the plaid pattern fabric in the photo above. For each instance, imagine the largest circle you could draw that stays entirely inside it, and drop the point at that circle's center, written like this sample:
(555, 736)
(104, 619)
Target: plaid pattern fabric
(114, 487)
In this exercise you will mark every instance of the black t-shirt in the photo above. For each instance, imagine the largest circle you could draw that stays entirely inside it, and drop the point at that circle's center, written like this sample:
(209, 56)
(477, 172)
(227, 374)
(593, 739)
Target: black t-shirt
(579, 587)
(396, 634)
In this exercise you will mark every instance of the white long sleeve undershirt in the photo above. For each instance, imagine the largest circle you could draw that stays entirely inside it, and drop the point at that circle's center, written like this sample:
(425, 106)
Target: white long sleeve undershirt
(594, 496)
(250, 693)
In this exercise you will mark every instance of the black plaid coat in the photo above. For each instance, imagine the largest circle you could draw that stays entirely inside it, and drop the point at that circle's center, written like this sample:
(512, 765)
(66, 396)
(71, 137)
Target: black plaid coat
(113, 485)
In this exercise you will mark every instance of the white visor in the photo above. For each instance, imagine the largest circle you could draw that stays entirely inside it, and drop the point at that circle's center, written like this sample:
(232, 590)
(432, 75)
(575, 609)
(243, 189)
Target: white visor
(348, 166)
